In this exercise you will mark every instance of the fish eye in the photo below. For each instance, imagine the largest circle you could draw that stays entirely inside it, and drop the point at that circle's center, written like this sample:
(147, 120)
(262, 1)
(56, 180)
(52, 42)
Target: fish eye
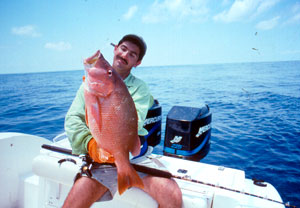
(109, 73)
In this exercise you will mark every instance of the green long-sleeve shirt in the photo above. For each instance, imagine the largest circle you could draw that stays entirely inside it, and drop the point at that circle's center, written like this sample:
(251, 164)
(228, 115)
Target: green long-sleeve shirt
(75, 125)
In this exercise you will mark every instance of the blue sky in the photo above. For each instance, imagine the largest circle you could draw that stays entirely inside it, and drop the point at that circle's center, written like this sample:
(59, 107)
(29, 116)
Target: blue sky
(53, 35)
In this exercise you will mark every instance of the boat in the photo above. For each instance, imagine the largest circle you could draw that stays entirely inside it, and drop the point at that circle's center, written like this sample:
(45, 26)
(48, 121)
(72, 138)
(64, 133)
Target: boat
(37, 172)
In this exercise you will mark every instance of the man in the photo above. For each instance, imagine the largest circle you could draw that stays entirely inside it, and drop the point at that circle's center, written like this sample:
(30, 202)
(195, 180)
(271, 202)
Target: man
(127, 54)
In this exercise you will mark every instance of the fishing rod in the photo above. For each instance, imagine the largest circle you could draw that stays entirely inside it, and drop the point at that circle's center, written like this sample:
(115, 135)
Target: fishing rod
(140, 168)
(166, 174)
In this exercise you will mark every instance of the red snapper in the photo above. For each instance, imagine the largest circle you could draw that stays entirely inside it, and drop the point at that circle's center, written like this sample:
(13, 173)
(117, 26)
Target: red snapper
(112, 118)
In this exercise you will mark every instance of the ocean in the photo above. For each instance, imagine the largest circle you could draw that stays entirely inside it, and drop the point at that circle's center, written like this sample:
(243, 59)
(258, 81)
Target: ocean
(255, 112)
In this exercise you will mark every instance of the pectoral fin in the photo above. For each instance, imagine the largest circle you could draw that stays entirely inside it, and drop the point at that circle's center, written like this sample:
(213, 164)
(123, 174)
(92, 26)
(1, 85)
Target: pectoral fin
(86, 117)
(93, 113)
(136, 149)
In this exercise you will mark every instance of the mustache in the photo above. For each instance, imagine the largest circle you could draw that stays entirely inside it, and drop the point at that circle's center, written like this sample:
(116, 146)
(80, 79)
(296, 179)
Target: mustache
(119, 57)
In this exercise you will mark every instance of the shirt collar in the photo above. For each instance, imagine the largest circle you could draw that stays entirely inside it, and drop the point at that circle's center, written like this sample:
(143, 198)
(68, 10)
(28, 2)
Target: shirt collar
(129, 80)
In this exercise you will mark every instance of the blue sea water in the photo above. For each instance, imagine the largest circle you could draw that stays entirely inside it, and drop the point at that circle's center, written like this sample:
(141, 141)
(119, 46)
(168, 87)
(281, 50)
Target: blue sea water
(255, 108)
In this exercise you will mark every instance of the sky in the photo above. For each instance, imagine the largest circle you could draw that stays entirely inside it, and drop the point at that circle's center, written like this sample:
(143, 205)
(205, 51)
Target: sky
(56, 35)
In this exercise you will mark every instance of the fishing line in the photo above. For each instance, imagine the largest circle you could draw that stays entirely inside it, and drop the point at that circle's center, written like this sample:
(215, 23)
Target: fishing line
(187, 178)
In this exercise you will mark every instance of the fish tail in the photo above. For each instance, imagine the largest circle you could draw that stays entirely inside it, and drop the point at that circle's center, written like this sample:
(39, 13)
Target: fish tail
(128, 179)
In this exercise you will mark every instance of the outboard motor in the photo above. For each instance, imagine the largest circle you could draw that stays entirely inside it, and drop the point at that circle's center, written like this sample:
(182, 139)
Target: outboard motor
(188, 132)
(153, 124)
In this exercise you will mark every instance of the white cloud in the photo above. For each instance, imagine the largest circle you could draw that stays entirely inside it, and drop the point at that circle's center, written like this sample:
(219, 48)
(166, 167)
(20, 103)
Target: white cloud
(131, 11)
(296, 7)
(265, 5)
(244, 9)
(268, 24)
(161, 11)
(58, 46)
(237, 11)
(295, 14)
(294, 19)
(27, 30)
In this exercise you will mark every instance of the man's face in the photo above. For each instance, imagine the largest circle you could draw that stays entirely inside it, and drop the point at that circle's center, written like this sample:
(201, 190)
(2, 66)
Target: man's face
(125, 57)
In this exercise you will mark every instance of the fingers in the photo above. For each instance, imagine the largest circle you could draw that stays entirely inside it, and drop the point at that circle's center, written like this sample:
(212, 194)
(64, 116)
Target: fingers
(105, 156)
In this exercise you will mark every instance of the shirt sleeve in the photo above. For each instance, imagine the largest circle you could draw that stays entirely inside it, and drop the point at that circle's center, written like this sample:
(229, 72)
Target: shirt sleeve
(75, 125)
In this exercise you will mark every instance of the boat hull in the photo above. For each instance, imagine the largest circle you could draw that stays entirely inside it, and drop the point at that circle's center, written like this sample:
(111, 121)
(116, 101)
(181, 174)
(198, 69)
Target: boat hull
(44, 182)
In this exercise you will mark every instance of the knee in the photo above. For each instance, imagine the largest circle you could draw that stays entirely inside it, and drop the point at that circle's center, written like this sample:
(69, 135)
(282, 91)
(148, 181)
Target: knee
(84, 193)
(165, 191)
(176, 194)
(173, 192)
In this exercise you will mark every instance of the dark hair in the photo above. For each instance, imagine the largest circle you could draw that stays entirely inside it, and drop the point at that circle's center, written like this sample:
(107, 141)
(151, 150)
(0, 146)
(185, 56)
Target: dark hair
(137, 41)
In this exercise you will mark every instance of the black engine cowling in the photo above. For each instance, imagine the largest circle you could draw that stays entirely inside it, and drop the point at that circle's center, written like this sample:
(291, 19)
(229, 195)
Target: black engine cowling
(153, 124)
(188, 132)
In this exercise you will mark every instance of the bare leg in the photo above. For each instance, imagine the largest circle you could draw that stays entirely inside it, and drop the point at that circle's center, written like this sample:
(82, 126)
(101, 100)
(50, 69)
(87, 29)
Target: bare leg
(84, 193)
(165, 191)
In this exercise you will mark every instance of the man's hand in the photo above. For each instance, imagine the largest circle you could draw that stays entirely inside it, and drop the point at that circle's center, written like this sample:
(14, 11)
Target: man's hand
(98, 154)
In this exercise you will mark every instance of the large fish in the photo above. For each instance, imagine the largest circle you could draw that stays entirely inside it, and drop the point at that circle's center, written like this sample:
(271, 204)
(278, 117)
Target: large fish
(112, 118)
